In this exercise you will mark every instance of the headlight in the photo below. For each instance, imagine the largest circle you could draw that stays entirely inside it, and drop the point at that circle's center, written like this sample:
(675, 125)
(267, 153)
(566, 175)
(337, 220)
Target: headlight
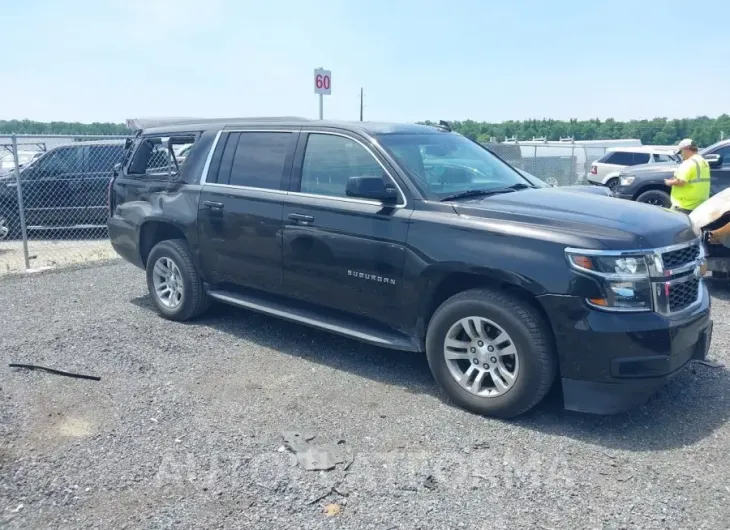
(624, 279)
(627, 180)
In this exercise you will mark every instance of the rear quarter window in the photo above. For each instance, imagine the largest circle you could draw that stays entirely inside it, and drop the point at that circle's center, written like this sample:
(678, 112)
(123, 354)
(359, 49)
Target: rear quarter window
(152, 158)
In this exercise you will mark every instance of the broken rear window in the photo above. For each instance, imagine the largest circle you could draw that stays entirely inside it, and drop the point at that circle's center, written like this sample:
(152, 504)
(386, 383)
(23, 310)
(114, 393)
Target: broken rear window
(160, 156)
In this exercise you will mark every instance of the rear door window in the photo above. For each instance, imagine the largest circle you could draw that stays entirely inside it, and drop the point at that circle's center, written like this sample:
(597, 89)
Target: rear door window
(619, 158)
(256, 159)
(102, 158)
(640, 158)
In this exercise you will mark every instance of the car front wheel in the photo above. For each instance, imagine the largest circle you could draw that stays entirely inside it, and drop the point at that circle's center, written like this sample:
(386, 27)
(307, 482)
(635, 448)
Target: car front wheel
(491, 353)
(173, 282)
(655, 198)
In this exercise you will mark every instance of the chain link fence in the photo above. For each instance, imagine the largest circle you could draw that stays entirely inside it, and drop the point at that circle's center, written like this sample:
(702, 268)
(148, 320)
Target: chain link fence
(53, 204)
(557, 163)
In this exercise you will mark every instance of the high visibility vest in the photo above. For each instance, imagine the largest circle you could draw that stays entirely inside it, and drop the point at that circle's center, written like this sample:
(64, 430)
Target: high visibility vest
(695, 171)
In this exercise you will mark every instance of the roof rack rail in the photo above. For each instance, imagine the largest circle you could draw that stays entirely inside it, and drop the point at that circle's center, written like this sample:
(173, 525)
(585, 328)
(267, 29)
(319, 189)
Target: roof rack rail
(146, 123)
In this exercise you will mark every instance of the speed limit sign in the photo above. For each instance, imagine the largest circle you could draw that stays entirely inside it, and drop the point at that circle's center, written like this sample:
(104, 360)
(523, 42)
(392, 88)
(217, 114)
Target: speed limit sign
(322, 82)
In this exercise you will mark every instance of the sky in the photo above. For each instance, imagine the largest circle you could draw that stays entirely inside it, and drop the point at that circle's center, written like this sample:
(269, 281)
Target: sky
(109, 60)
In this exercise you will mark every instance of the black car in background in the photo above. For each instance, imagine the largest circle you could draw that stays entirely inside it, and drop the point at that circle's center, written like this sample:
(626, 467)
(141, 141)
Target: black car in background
(65, 187)
(645, 182)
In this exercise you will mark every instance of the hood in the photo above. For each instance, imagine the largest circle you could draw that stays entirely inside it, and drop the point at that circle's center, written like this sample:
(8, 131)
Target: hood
(588, 219)
(593, 190)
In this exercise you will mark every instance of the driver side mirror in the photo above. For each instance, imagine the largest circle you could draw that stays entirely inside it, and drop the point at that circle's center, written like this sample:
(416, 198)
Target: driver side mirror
(371, 188)
(117, 168)
(714, 161)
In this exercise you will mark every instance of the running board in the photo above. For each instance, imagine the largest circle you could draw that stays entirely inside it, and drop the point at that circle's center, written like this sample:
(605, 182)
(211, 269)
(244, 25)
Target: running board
(308, 317)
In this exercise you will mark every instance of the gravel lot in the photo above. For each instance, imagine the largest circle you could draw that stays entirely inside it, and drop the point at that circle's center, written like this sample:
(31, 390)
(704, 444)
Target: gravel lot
(53, 253)
(184, 429)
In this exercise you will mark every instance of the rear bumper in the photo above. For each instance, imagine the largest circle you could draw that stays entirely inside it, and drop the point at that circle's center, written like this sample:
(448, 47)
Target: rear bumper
(125, 240)
(612, 362)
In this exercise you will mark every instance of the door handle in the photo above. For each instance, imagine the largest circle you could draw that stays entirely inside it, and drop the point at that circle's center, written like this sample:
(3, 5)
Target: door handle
(301, 218)
(213, 205)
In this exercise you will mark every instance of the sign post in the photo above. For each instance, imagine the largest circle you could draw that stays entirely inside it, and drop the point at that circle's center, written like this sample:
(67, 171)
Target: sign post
(322, 87)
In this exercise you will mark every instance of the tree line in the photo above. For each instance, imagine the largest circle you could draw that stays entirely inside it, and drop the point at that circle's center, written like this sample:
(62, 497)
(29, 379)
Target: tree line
(659, 131)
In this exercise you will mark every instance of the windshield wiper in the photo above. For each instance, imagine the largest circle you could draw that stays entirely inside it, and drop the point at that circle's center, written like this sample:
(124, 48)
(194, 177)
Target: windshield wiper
(485, 192)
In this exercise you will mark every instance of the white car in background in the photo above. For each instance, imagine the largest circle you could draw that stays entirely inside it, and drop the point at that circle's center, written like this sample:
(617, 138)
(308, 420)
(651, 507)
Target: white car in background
(605, 170)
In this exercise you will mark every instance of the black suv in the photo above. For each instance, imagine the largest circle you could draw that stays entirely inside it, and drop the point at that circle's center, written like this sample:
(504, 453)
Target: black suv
(645, 183)
(342, 226)
(66, 187)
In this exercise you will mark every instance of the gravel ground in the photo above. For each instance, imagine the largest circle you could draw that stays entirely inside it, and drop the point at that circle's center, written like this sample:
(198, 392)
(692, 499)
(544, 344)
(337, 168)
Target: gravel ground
(53, 253)
(184, 429)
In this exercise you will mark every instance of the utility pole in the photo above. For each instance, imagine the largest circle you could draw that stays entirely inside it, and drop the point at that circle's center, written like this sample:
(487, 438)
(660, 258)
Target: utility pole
(361, 97)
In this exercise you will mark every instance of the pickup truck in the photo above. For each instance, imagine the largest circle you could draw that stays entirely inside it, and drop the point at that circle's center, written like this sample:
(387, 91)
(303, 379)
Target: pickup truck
(509, 288)
(645, 183)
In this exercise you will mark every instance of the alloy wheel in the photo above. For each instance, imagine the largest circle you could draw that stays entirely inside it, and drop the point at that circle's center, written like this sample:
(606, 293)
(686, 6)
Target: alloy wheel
(168, 282)
(481, 357)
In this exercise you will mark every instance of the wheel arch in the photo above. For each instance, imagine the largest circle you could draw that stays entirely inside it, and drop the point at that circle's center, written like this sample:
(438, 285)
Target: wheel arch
(651, 186)
(440, 284)
(152, 232)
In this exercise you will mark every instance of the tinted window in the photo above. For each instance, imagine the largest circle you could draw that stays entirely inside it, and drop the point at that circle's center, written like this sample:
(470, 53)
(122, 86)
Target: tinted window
(62, 160)
(255, 159)
(620, 158)
(329, 162)
(724, 152)
(640, 158)
(103, 158)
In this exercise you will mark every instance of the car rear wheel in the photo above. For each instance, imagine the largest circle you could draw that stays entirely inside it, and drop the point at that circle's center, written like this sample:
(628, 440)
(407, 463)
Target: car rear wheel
(656, 198)
(173, 282)
(612, 183)
(491, 353)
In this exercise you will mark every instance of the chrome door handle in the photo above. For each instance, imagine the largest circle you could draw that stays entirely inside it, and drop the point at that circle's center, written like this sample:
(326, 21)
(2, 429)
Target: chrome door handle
(301, 218)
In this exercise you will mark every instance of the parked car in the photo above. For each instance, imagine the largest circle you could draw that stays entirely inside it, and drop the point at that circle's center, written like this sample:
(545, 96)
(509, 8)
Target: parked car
(506, 287)
(605, 170)
(65, 187)
(645, 183)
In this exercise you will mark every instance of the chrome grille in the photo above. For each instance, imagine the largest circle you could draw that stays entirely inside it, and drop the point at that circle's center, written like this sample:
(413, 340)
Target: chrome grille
(683, 256)
(683, 295)
(676, 277)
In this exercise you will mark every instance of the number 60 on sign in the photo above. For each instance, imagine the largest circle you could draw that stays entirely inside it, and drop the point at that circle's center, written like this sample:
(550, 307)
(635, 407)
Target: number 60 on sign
(322, 82)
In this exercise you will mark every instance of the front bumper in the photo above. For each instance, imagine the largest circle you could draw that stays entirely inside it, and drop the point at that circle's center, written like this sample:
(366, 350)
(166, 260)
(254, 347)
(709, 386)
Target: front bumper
(612, 362)
(623, 192)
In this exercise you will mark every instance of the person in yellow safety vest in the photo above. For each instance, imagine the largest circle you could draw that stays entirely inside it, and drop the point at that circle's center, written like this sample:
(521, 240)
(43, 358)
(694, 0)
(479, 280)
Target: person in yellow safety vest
(691, 183)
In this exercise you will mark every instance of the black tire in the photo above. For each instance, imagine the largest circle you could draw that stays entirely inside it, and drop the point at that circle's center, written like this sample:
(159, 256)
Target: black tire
(529, 333)
(194, 301)
(655, 198)
(612, 183)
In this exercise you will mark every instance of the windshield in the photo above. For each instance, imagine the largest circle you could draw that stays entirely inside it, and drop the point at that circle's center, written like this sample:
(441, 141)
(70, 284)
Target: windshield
(445, 164)
(8, 161)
